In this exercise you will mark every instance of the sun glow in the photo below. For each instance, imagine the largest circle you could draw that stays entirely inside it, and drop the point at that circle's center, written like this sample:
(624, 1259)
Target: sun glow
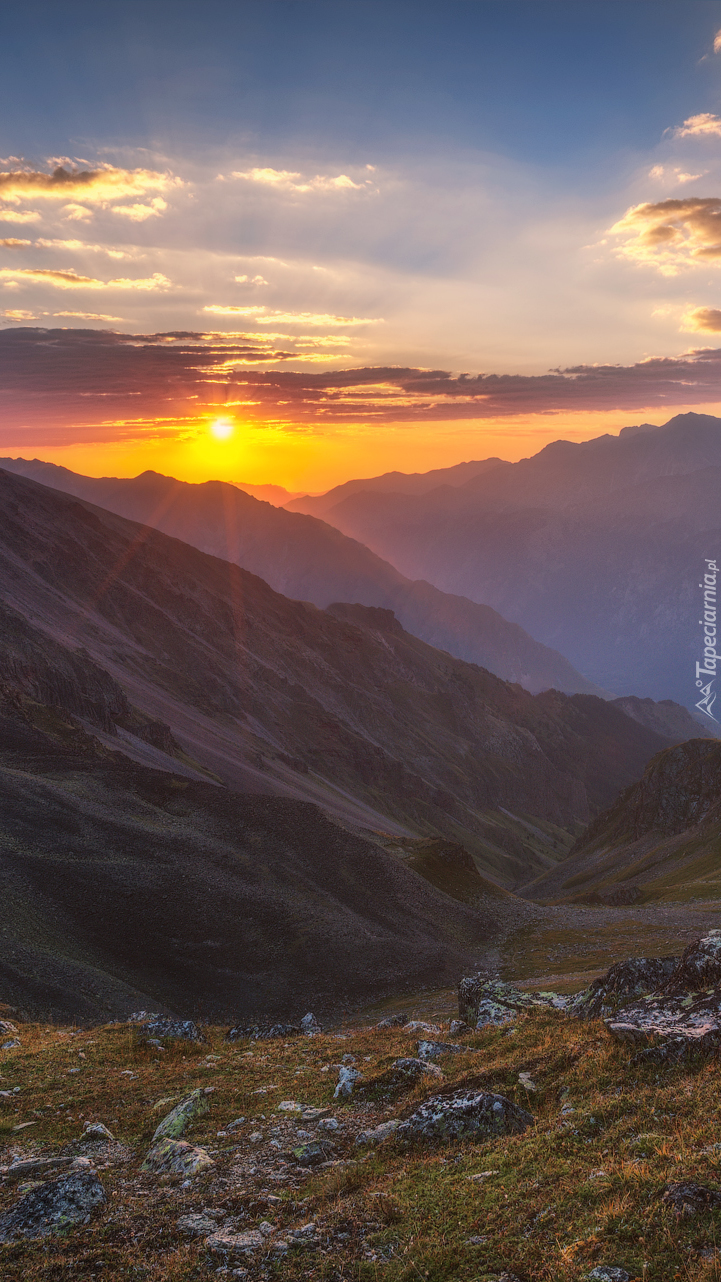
(222, 429)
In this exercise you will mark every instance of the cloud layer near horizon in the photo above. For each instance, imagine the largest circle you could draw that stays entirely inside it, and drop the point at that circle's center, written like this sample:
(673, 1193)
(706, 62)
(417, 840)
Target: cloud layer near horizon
(74, 380)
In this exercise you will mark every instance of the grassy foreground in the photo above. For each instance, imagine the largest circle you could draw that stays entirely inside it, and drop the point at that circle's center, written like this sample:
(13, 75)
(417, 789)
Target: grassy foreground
(581, 1189)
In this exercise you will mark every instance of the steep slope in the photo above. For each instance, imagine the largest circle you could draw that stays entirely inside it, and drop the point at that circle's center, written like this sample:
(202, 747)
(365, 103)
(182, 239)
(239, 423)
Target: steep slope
(667, 718)
(127, 888)
(340, 707)
(594, 547)
(661, 840)
(309, 560)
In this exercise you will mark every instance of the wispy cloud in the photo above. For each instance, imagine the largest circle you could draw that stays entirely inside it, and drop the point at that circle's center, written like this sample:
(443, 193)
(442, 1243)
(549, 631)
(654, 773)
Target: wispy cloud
(17, 314)
(286, 180)
(702, 320)
(80, 246)
(717, 42)
(675, 174)
(139, 213)
(266, 316)
(703, 125)
(89, 316)
(19, 216)
(672, 233)
(11, 242)
(70, 279)
(93, 186)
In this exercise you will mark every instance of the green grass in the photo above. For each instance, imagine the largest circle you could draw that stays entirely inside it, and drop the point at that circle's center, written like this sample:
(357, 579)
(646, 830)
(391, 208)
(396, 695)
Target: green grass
(546, 1213)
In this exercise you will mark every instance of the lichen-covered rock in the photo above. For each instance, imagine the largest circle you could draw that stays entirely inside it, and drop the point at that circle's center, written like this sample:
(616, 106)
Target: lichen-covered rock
(419, 1026)
(434, 1050)
(97, 1131)
(230, 1246)
(309, 1025)
(697, 968)
(261, 1032)
(177, 1030)
(608, 1273)
(53, 1206)
(393, 1021)
(176, 1122)
(7, 1027)
(669, 1029)
(622, 983)
(684, 1197)
(26, 1168)
(312, 1154)
(377, 1134)
(458, 1026)
(465, 1115)
(197, 1225)
(408, 1069)
(484, 1001)
(176, 1157)
(347, 1078)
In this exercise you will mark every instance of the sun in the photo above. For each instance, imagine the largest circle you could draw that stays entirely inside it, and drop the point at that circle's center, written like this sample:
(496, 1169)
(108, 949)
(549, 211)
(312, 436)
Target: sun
(222, 429)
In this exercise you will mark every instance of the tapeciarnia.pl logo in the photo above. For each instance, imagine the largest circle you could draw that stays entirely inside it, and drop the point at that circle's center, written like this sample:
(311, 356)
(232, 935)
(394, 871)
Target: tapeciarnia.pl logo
(706, 671)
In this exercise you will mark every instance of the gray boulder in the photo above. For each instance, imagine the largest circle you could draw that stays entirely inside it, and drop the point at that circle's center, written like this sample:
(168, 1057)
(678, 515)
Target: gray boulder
(309, 1025)
(465, 1115)
(313, 1154)
(234, 1246)
(434, 1050)
(393, 1021)
(623, 982)
(608, 1273)
(697, 968)
(261, 1032)
(686, 1198)
(670, 1029)
(54, 1206)
(377, 1134)
(97, 1131)
(347, 1078)
(177, 1029)
(176, 1157)
(410, 1070)
(197, 1225)
(483, 1001)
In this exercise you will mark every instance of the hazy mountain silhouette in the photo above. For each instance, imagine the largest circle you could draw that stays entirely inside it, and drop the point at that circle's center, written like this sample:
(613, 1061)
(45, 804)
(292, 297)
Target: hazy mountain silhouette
(307, 559)
(595, 547)
(391, 483)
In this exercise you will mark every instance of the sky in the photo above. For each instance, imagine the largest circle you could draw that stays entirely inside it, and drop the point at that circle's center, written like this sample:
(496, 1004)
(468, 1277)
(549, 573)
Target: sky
(296, 242)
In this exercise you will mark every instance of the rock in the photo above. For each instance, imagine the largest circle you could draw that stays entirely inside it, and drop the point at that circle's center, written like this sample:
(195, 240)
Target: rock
(392, 1021)
(378, 1133)
(266, 1228)
(686, 1198)
(196, 1225)
(7, 1027)
(261, 1032)
(310, 1026)
(698, 967)
(608, 1273)
(434, 1050)
(458, 1026)
(667, 1030)
(230, 1246)
(418, 1026)
(306, 1236)
(484, 1001)
(312, 1154)
(53, 1206)
(527, 1081)
(465, 1114)
(290, 1106)
(96, 1131)
(620, 985)
(177, 1029)
(347, 1077)
(409, 1069)
(10, 1045)
(176, 1157)
(311, 1115)
(328, 1124)
(174, 1125)
(26, 1168)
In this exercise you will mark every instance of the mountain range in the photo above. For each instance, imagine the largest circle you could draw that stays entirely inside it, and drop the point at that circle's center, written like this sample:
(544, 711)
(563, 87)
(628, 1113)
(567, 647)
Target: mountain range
(306, 559)
(596, 548)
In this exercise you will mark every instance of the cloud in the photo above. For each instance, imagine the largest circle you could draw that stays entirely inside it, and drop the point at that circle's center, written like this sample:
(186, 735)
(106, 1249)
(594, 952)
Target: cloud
(703, 125)
(19, 216)
(89, 316)
(672, 233)
(139, 213)
(77, 213)
(676, 174)
(93, 186)
(266, 316)
(70, 279)
(286, 180)
(251, 280)
(702, 319)
(13, 314)
(55, 373)
(717, 42)
(10, 242)
(80, 245)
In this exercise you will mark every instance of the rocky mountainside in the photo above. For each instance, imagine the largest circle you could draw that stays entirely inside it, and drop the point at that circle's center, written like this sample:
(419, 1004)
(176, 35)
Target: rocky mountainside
(340, 707)
(309, 560)
(391, 483)
(667, 718)
(594, 547)
(660, 840)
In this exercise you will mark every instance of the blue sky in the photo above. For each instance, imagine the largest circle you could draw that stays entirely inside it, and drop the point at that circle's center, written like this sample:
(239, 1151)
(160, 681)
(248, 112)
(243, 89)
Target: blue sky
(483, 187)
